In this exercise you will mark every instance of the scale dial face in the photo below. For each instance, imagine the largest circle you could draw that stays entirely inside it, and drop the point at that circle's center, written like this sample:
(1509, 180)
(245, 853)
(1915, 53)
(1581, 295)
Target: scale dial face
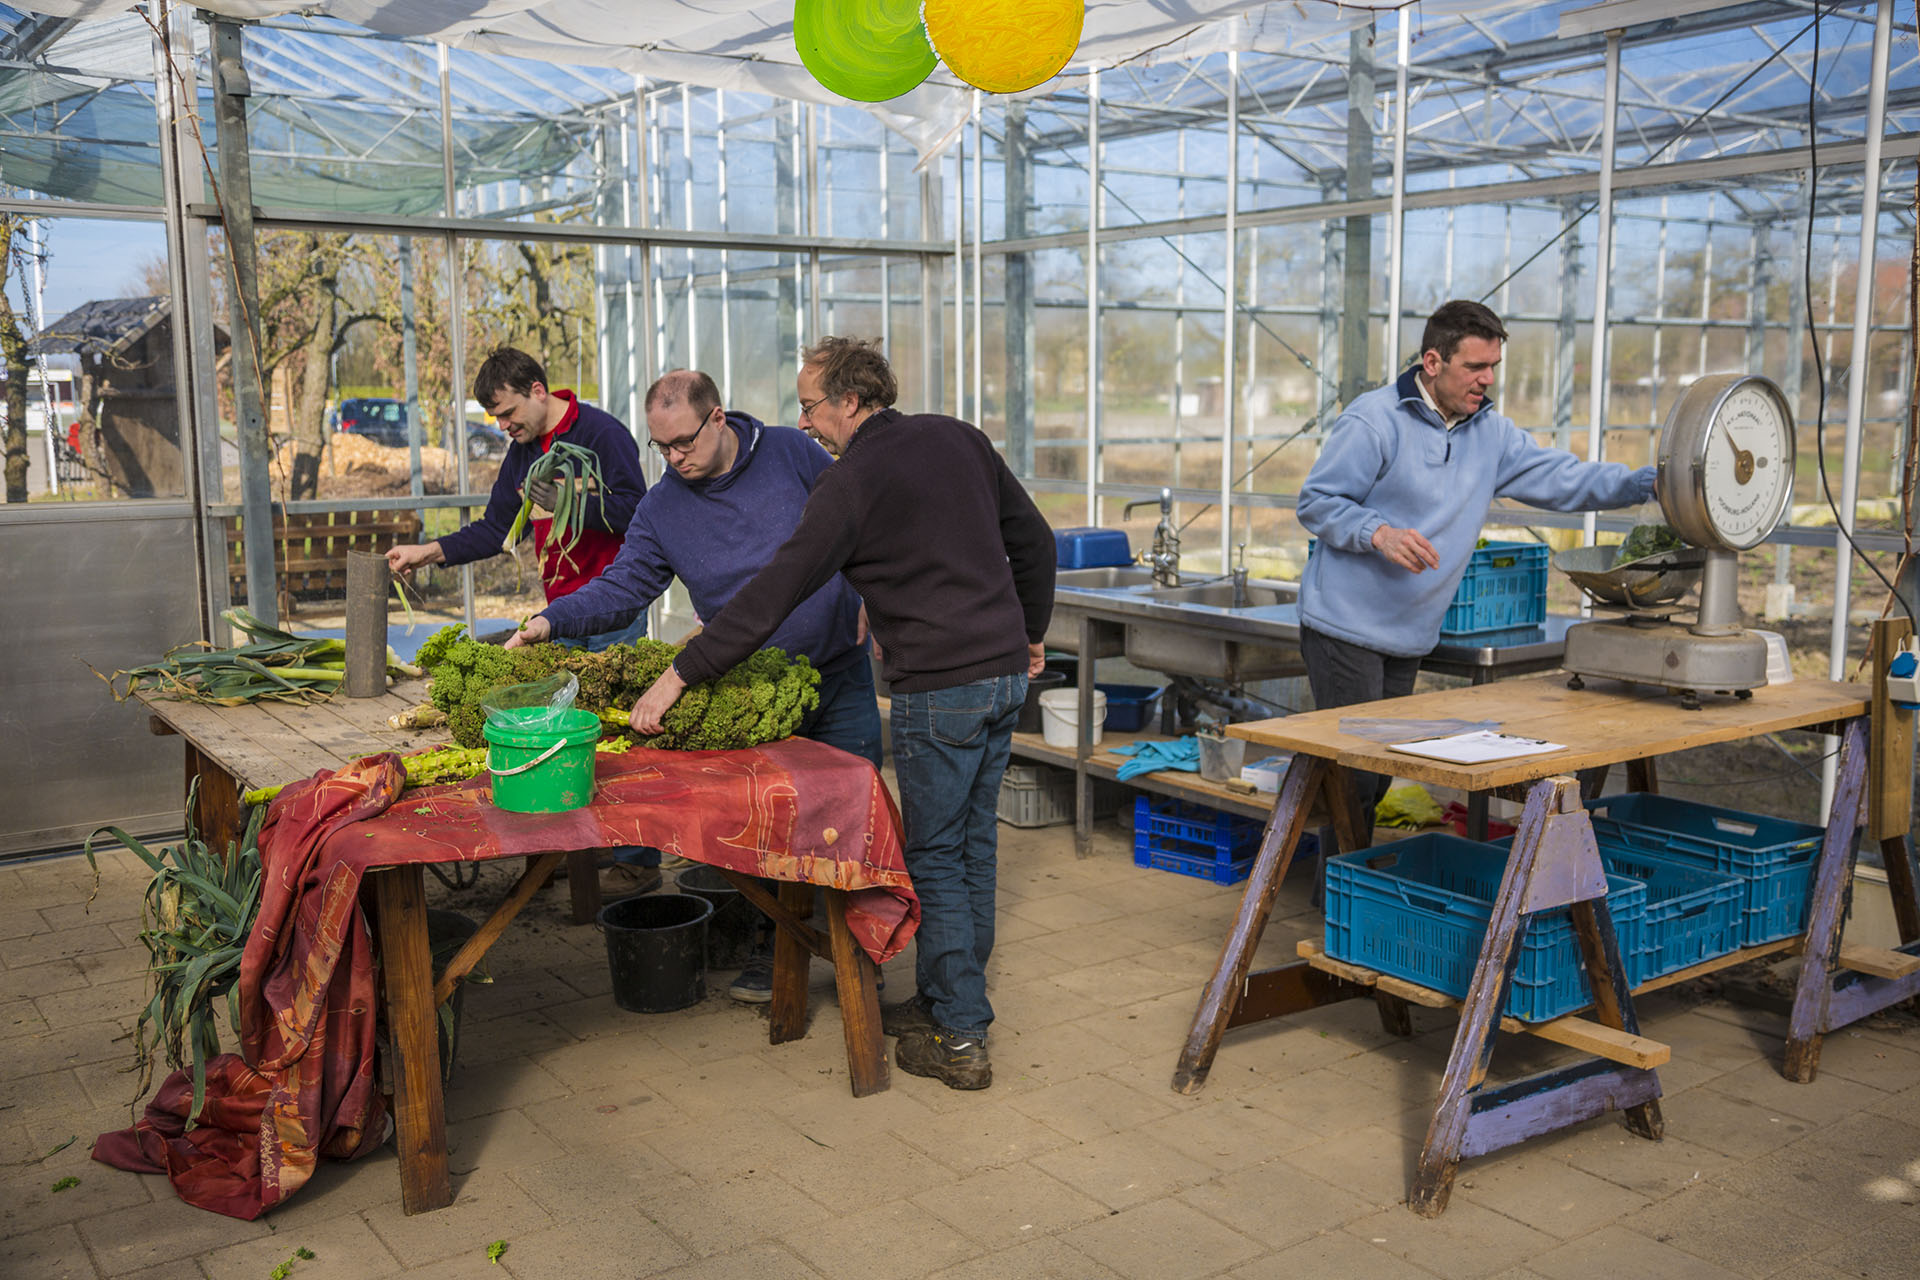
(1726, 461)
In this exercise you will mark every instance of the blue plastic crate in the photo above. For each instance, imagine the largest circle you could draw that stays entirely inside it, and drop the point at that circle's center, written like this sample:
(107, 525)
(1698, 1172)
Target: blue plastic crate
(1418, 909)
(1772, 857)
(1505, 587)
(1691, 914)
(1509, 599)
(1193, 840)
(1129, 706)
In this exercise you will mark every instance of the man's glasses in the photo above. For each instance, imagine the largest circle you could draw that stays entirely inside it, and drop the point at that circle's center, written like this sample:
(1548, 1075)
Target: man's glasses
(808, 406)
(683, 446)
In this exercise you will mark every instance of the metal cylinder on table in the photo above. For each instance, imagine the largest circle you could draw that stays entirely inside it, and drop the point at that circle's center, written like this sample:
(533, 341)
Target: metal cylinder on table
(367, 576)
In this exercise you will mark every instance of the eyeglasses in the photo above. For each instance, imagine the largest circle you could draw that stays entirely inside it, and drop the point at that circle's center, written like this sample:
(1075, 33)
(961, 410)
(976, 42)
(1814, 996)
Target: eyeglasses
(684, 446)
(808, 406)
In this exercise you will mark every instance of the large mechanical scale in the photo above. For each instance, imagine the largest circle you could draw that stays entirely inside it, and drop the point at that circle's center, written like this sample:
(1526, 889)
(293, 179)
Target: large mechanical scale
(1726, 464)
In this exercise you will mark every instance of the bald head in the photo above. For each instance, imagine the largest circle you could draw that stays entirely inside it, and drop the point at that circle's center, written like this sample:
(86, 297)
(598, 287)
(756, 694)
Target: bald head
(688, 387)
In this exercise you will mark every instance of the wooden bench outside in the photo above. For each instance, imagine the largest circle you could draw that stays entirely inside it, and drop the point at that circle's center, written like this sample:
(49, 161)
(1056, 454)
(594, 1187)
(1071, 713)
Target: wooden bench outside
(310, 548)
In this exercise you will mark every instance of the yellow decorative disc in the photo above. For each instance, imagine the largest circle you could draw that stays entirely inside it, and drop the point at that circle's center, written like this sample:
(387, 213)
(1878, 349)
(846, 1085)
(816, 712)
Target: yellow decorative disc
(1004, 46)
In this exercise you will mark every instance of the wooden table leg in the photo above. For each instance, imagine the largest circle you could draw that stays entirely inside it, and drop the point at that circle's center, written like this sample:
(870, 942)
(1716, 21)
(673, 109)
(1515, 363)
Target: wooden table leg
(1228, 985)
(217, 814)
(1826, 909)
(419, 1111)
(1554, 862)
(787, 1015)
(853, 973)
(1896, 854)
(583, 883)
(1643, 775)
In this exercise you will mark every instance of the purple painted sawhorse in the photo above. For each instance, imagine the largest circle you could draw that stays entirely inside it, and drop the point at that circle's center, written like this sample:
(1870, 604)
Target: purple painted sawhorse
(1553, 863)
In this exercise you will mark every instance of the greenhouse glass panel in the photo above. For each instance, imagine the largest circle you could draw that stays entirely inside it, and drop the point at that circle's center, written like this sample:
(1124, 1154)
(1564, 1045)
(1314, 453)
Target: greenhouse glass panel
(77, 110)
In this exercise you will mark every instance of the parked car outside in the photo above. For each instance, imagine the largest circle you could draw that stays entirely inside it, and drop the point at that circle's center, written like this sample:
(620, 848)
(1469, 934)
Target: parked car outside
(484, 440)
(380, 419)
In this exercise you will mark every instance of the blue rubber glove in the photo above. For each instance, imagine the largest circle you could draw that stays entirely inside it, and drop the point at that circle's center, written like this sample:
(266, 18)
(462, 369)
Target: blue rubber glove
(1181, 754)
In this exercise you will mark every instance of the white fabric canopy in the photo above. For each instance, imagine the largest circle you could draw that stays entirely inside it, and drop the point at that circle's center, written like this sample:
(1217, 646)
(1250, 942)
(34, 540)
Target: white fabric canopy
(747, 46)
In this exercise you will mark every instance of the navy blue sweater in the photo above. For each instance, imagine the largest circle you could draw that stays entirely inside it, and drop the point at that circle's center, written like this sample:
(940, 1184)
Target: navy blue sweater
(715, 535)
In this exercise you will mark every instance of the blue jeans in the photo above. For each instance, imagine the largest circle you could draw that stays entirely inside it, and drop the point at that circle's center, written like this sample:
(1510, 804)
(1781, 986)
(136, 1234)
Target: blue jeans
(949, 752)
(847, 717)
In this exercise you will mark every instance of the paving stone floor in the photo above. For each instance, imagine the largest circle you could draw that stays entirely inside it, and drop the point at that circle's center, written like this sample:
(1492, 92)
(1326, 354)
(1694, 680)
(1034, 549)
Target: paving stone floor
(600, 1143)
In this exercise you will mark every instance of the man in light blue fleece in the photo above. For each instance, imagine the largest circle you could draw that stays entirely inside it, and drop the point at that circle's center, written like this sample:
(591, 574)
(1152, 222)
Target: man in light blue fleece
(733, 492)
(1397, 499)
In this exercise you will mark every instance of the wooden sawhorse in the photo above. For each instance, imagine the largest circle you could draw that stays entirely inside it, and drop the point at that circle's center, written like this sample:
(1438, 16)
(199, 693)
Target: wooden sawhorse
(1553, 863)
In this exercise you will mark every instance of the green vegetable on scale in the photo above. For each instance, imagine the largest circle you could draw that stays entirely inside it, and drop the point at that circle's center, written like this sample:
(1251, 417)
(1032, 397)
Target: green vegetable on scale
(574, 471)
(1645, 540)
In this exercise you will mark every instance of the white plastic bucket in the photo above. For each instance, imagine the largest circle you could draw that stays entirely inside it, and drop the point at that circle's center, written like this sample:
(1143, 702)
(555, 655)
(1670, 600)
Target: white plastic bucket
(1060, 716)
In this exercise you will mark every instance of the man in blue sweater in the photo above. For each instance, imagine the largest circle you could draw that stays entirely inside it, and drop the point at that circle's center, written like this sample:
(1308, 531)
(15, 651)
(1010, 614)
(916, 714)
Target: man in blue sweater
(1397, 498)
(733, 492)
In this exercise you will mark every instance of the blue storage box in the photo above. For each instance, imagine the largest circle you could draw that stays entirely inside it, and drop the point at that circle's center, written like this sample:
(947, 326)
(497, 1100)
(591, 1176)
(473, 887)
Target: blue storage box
(1194, 840)
(1504, 591)
(1089, 548)
(1505, 587)
(1772, 857)
(1418, 909)
(1129, 706)
(1691, 914)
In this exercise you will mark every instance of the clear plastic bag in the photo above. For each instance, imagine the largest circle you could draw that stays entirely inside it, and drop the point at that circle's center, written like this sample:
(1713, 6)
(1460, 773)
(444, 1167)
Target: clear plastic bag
(1650, 536)
(536, 705)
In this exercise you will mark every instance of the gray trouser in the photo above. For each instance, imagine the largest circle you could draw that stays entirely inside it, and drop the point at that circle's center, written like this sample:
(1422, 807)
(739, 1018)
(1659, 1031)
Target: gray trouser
(1340, 675)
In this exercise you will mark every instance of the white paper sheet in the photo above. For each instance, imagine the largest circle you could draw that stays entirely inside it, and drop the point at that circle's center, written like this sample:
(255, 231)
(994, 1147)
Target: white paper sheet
(1477, 747)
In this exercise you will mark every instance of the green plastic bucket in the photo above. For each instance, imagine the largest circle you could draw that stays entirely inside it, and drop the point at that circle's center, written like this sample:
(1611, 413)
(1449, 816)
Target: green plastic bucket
(542, 770)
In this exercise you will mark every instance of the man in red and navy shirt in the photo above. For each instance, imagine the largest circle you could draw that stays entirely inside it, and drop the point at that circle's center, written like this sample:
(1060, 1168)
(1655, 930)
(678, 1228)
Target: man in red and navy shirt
(513, 387)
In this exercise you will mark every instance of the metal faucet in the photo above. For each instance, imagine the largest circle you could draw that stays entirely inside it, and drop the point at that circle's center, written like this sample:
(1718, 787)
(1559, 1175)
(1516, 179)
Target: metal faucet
(1239, 575)
(1165, 556)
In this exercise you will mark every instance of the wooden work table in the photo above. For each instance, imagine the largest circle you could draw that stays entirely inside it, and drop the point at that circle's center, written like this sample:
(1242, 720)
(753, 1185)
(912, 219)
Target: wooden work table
(1554, 862)
(231, 750)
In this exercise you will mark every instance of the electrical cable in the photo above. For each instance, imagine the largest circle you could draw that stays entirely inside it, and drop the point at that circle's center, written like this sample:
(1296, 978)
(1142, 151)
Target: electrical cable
(1863, 280)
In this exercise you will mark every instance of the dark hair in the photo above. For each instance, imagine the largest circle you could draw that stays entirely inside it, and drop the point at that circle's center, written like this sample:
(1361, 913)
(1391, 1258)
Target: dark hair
(1456, 320)
(506, 369)
(852, 365)
(684, 386)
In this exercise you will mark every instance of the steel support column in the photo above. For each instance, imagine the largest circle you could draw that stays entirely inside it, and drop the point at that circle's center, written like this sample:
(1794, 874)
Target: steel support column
(231, 89)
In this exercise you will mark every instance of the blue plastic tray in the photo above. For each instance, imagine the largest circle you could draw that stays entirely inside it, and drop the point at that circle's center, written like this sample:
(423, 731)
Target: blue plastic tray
(1194, 840)
(1090, 548)
(1773, 857)
(1418, 909)
(1129, 706)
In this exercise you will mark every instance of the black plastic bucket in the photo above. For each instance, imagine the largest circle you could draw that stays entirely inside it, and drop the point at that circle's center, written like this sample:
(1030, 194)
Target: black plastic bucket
(1029, 721)
(735, 921)
(655, 950)
(447, 932)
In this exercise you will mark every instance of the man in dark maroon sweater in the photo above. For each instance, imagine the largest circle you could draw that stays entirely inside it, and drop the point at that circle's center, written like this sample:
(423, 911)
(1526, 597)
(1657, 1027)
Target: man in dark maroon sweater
(955, 565)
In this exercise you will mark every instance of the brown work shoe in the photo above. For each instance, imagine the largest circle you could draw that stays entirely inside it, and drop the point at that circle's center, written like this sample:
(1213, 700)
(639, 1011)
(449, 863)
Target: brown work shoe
(624, 880)
(958, 1062)
(904, 1017)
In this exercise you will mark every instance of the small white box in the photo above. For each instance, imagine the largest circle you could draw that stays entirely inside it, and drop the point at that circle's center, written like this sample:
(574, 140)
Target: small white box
(1265, 774)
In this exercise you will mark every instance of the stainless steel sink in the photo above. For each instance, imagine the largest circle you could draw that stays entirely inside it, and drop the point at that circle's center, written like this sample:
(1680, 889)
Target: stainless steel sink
(1220, 595)
(1185, 650)
(1109, 578)
(1063, 632)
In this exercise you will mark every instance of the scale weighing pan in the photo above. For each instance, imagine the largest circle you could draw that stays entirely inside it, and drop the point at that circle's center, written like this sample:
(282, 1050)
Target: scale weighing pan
(1656, 579)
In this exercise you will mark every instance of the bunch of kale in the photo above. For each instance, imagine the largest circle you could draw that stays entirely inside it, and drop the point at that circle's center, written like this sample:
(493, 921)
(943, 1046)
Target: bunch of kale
(761, 700)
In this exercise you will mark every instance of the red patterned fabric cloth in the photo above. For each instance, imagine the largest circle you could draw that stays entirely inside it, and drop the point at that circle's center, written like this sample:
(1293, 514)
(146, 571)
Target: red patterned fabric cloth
(303, 1085)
